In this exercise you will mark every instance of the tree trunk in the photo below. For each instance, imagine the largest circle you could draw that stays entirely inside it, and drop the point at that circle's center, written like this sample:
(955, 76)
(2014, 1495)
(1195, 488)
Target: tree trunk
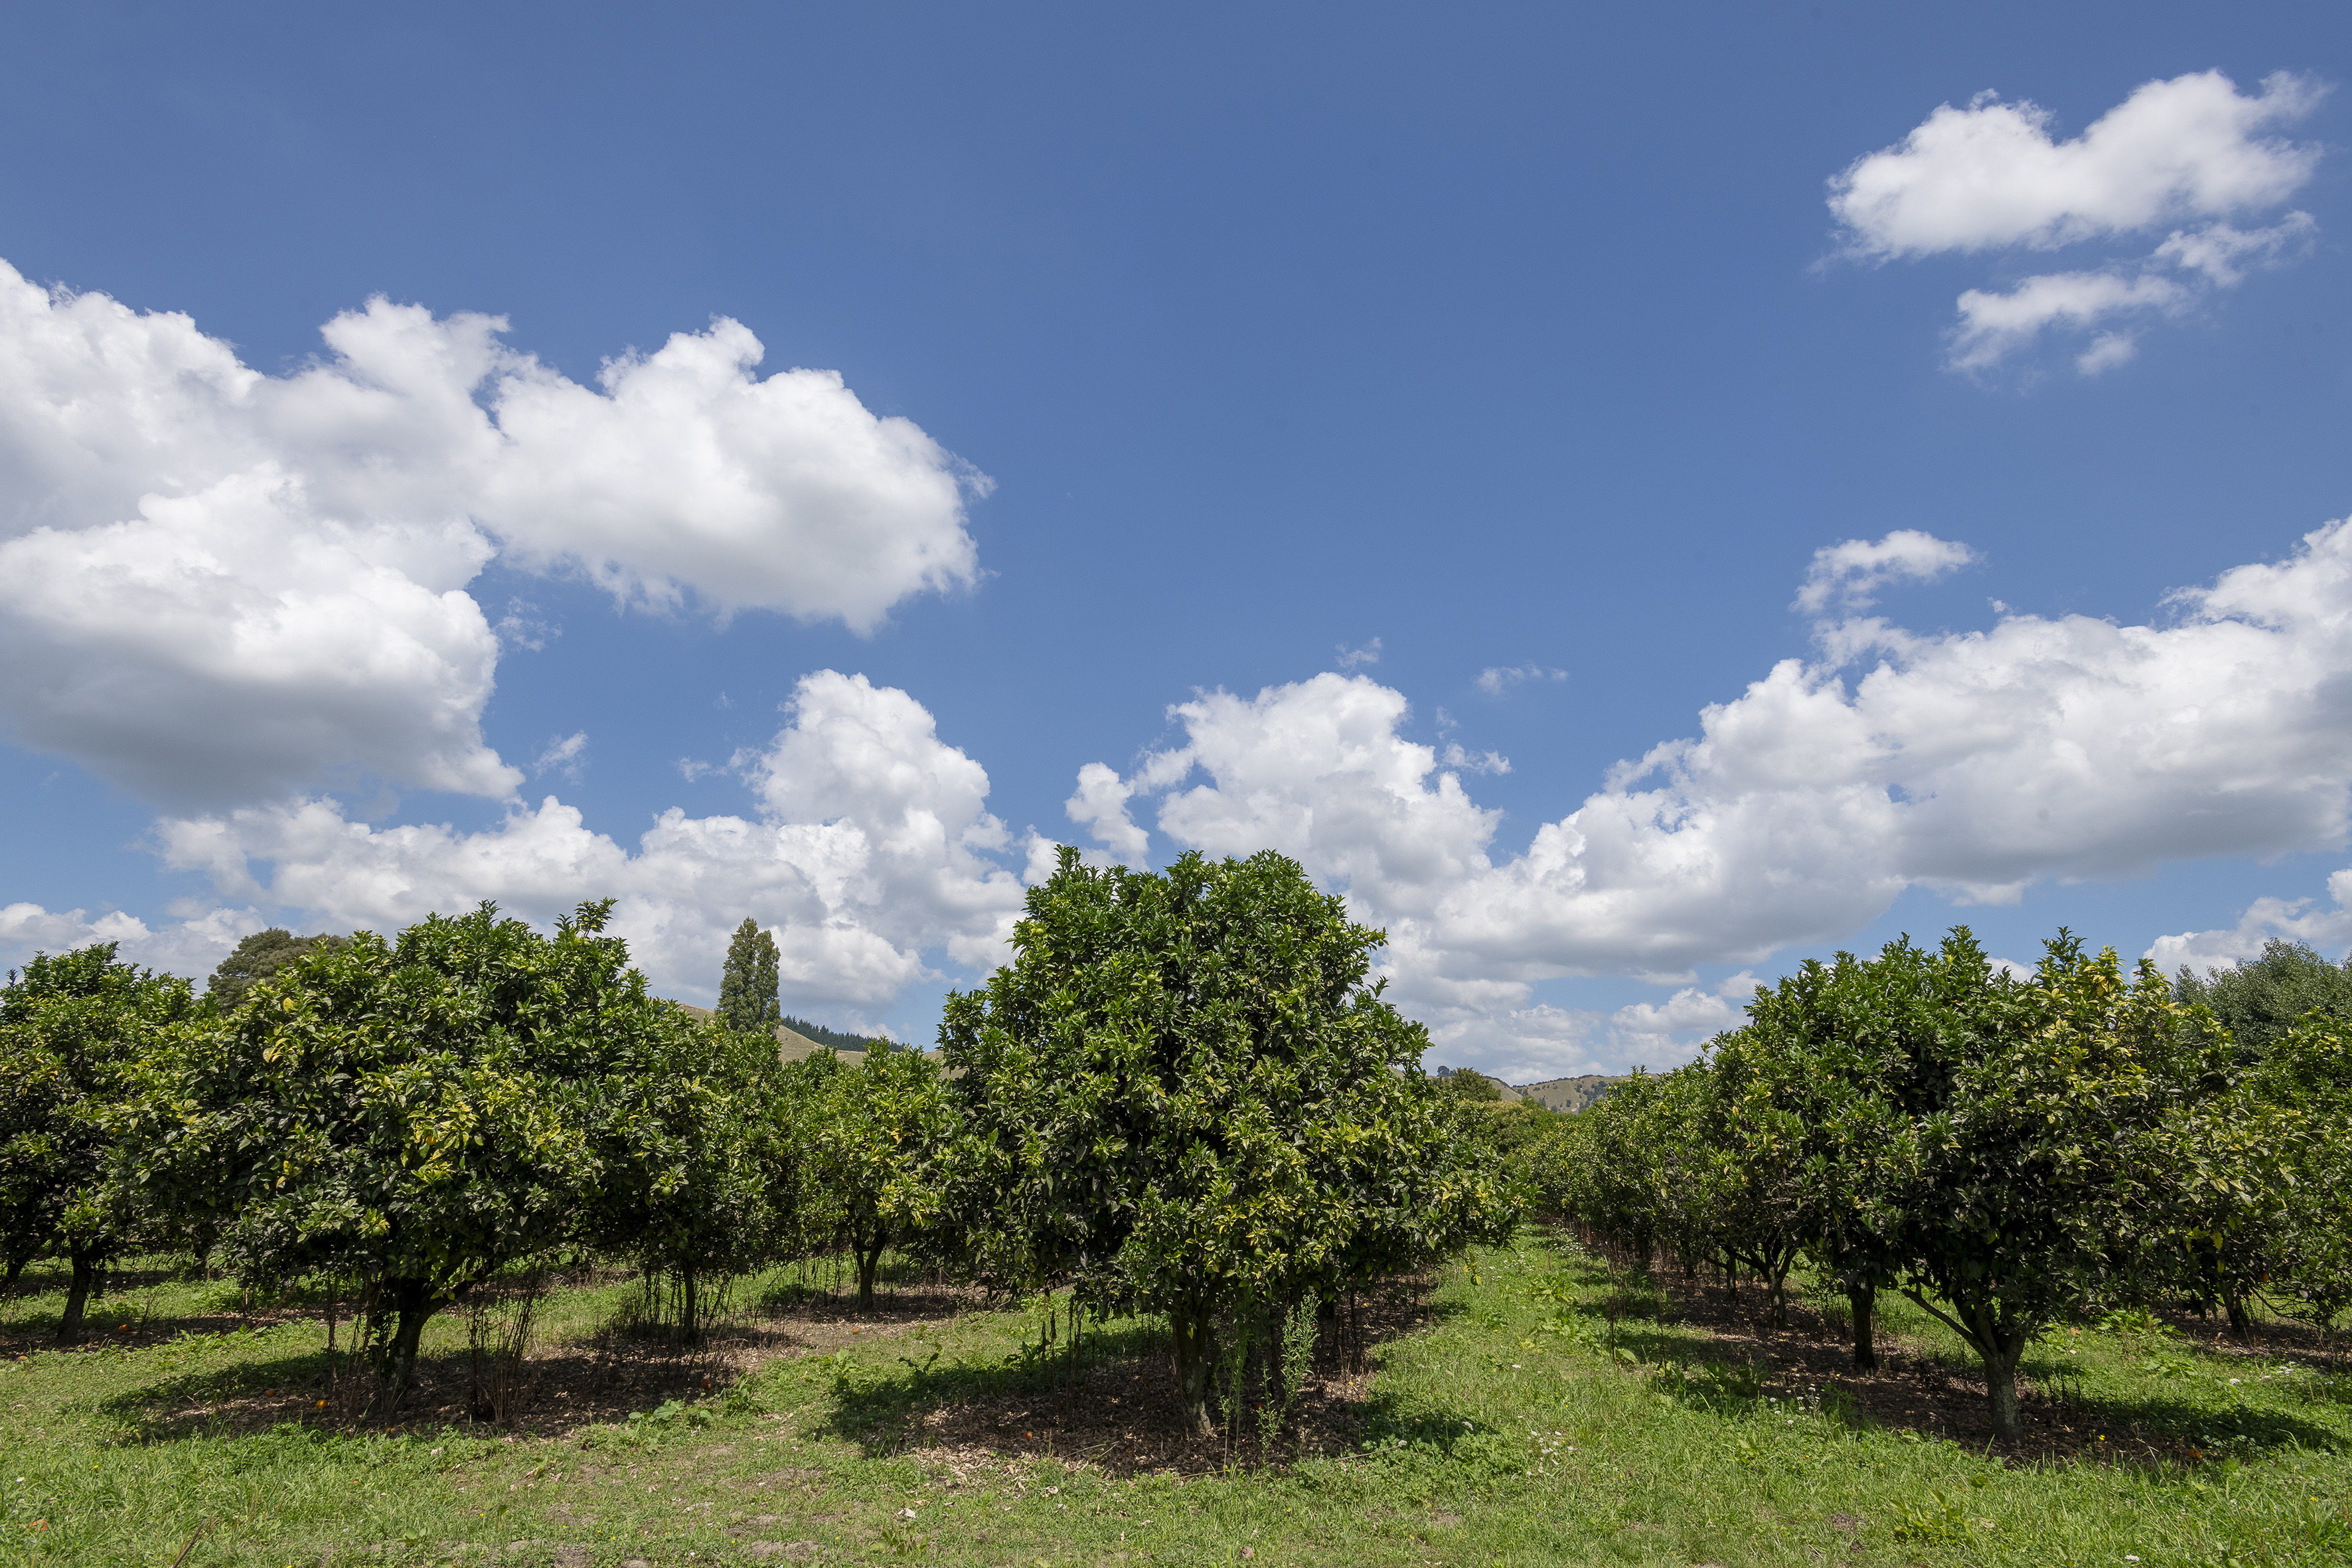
(2241, 1325)
(1779, 1296)
(1195, 1356)
(689, 1307)
(85, 1270)
(413, 1301)
(1864, 1301)
(16, 1267)
(2000, 1353)
(869, 1262)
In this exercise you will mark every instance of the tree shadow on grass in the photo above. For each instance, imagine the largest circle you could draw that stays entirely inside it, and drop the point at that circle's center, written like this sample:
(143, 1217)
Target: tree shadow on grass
(1116, 1412)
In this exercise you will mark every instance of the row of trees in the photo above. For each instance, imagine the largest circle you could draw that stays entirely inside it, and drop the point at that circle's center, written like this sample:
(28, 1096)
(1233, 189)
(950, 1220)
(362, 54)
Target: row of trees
(2008, 1152)
(1182, 1096)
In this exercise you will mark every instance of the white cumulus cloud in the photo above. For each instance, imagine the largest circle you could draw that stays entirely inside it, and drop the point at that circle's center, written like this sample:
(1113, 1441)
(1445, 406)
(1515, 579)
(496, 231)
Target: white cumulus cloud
(1992, 175)
(1973, 763)
(873, 846)
(2192, 151)
(219, 585)
(192, 945)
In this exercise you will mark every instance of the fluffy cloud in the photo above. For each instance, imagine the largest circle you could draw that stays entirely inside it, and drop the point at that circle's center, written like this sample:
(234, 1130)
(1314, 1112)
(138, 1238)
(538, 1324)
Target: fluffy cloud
(228, 645)
(219, 585)
(688, 472)
(1316, 770)
(1991, 174)
(2190, 151)
(1973, 763)
(1528, 1045)
(192, 945)
(872, 846)
(2265, 920)
(1852, 572)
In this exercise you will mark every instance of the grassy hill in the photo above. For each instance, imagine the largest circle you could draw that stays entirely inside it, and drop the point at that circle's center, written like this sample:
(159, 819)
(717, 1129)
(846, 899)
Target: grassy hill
(1569, 1094)
(795, 1044)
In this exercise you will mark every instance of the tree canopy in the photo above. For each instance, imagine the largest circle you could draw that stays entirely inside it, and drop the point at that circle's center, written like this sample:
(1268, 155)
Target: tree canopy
(258, 958)
(73, 1030)
(1184, 1097)
(2260, 1001)
(415, 1115)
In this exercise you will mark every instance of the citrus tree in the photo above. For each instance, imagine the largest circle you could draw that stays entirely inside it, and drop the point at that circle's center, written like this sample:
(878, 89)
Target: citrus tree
(74, 1029)
(698, 1178)
(417, 1114)
(875, 1135)
(1185, 1096)
(2053, 1176)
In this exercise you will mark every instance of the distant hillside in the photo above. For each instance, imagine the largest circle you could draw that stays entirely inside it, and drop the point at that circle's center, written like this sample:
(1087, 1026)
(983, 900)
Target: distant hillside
(1572, 1093)
(824, 1037)
(799, 1037)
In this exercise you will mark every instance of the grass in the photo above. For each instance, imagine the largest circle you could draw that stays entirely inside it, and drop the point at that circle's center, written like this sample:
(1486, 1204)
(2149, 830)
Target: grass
(1548, 1411)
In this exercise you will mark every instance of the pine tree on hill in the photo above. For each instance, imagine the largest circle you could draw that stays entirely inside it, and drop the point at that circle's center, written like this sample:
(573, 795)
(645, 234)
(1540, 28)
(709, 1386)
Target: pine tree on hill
(748, 1002)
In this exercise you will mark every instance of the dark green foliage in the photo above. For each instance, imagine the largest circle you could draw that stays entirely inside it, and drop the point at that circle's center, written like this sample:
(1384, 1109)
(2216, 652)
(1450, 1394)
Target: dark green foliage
(1183, 1097)
(257, 958)
(2259, 1002)
(2009, 1154)
(73, 1030)
(415, 1117)
(875, 1136)
(748, 985)
(700, 1174)
(2297, 1247)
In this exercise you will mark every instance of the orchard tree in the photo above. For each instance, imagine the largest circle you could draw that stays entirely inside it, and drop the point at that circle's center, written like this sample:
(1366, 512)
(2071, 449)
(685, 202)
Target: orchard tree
(257, 958)
(747, 1001)
(2296, 1244)
(1636, 1170)
(876, 1133)
(1183, 1097)
(2262, 1000)
(417, 1114)
(2052, 1171)
(73, 1031)
(697, 1169)
(1838, 1049)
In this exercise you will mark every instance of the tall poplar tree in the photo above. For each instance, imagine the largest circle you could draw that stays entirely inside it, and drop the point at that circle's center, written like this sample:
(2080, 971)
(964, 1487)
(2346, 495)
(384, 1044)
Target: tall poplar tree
(748, 1002)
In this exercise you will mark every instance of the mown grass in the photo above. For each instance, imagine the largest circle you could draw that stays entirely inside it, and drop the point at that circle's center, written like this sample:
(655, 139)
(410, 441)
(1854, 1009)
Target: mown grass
(1530, 1424)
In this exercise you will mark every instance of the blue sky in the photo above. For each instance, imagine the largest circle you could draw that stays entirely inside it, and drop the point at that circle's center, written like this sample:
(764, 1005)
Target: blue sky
(1185, 360)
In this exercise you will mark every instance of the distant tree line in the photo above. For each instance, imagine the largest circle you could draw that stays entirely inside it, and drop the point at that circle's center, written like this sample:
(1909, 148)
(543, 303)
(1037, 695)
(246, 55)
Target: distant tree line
(2008, 1152)
(1182, 1096)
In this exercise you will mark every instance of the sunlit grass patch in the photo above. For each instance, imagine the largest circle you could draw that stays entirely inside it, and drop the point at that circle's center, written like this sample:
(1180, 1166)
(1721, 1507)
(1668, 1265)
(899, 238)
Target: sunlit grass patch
(1520, 1422)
